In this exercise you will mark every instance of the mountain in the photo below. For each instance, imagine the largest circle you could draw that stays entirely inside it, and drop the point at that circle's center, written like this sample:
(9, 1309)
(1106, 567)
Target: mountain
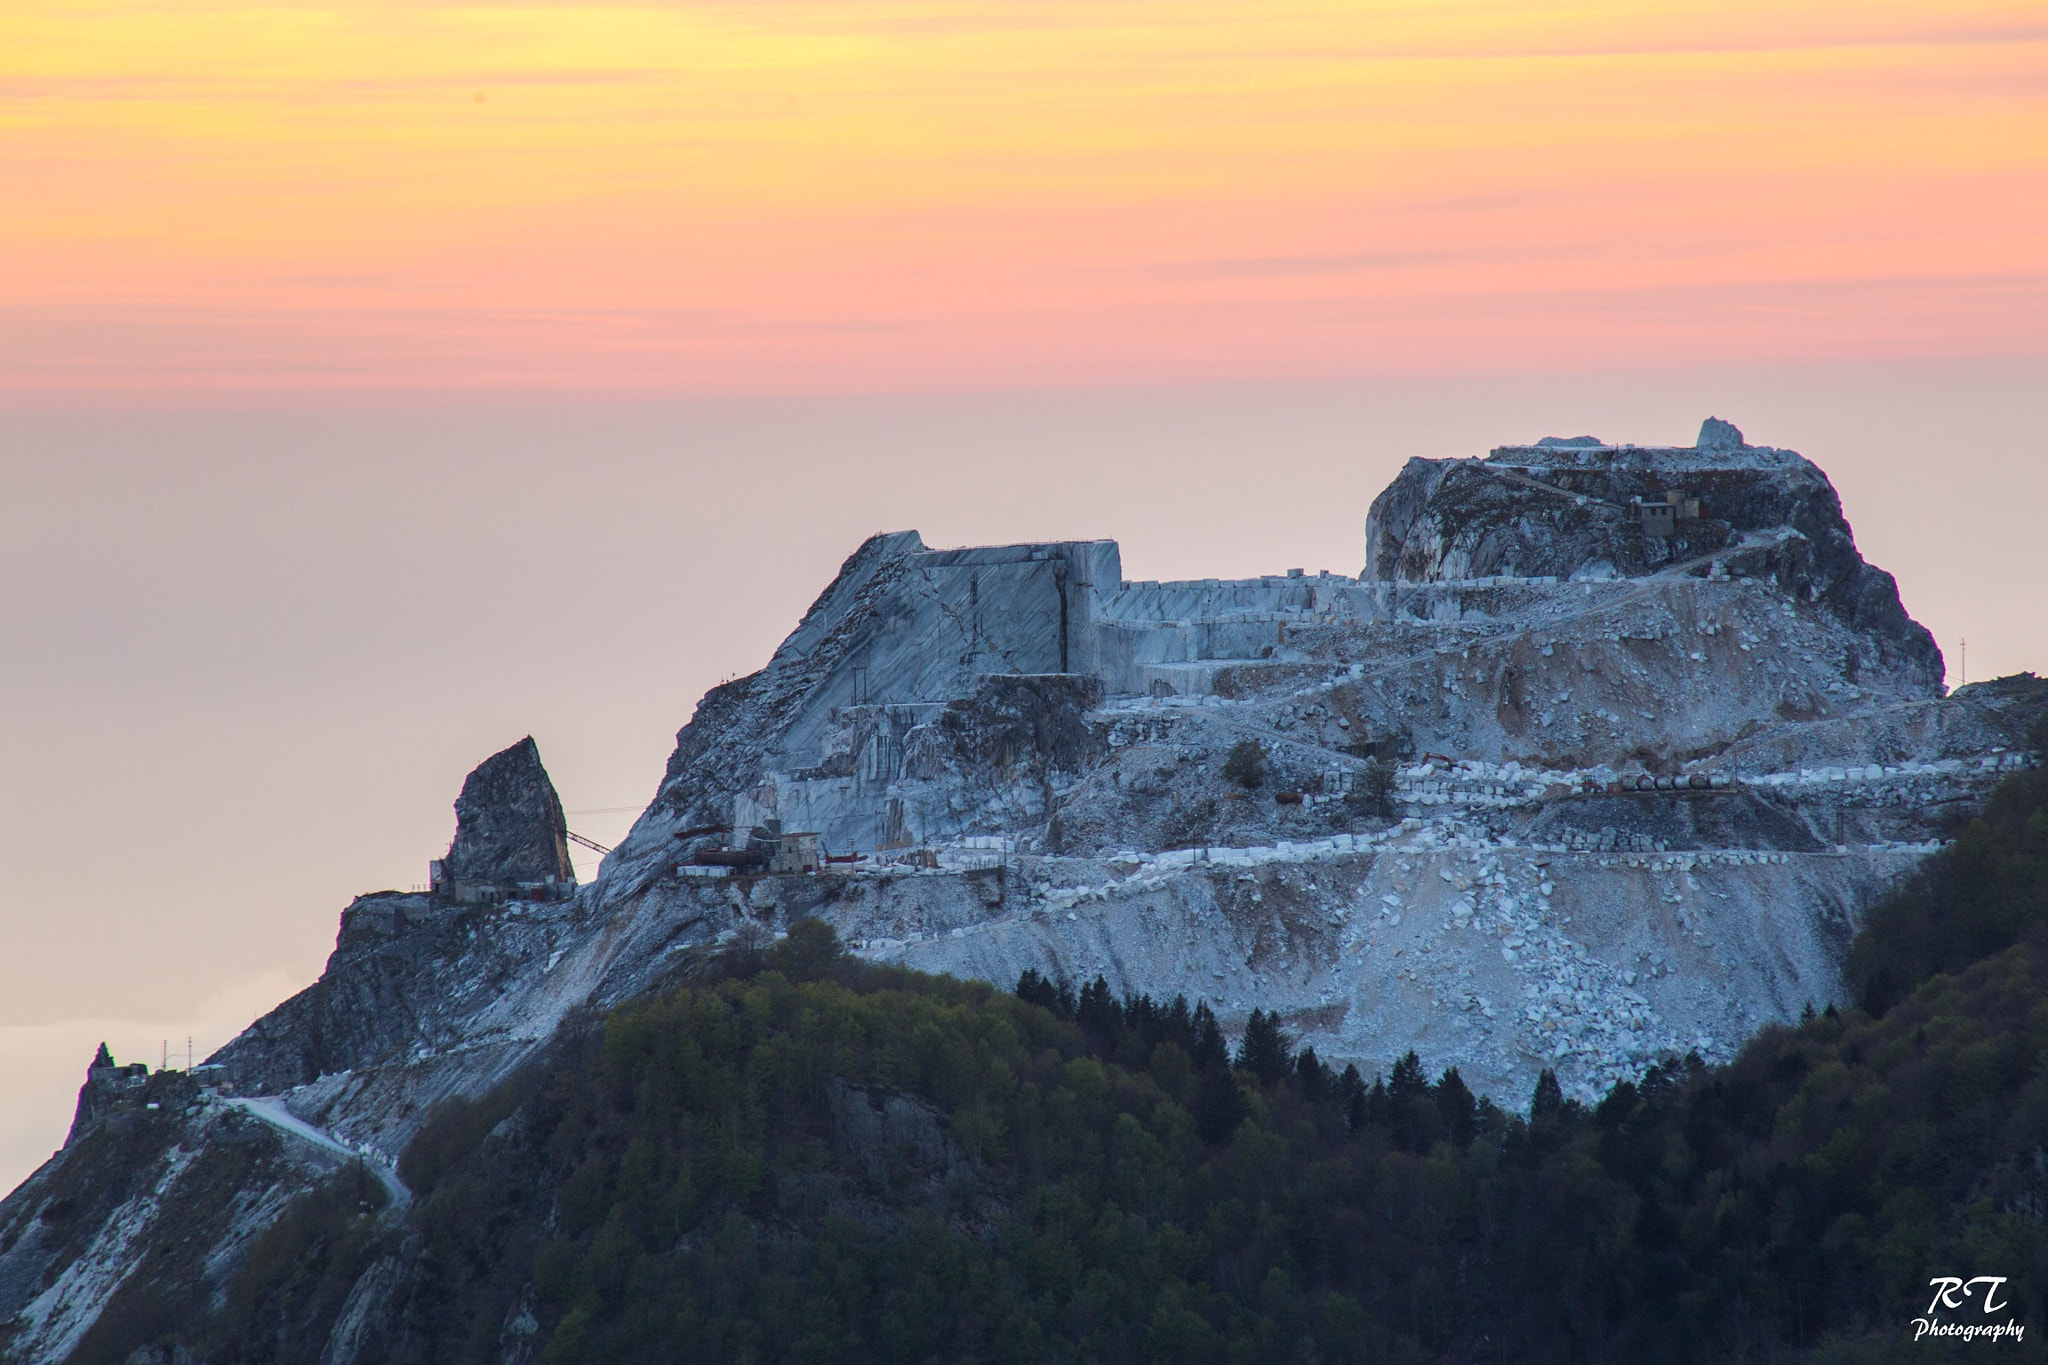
(1599, 763)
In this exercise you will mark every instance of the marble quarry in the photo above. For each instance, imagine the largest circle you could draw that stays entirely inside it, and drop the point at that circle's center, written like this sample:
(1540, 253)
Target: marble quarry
(1600, 760)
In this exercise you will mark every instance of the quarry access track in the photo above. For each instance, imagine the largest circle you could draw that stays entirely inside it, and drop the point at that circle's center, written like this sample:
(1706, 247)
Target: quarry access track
(1515, 477)
(273, 1112)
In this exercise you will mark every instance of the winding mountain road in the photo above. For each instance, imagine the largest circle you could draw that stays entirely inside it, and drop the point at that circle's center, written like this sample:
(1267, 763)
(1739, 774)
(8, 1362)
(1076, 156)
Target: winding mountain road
(273, 1112)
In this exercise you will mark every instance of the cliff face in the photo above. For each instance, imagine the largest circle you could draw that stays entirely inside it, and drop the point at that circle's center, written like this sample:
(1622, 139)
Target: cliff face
(1543, 790)
(900, 633)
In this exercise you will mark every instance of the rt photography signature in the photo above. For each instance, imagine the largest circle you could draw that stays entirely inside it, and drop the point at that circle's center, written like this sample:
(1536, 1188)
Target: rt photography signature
(1953, 1292)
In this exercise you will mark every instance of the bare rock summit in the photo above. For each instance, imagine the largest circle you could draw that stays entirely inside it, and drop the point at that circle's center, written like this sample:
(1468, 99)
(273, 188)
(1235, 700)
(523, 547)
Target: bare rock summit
(509, 826)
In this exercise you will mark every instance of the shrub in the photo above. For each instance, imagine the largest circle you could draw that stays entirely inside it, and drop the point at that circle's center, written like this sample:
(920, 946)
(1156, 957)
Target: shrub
(1373, 793)
(811, 952)
(1246, 764)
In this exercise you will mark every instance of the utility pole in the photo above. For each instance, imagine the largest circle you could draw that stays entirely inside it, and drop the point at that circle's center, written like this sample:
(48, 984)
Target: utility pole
(1966, 661)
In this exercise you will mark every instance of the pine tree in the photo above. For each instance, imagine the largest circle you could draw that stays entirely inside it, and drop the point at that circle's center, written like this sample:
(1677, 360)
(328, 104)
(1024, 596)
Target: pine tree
(1407, 1082)
(1311, 1075)
(1218, 1106)
(1548, 1101)
(1177, 1025)
(1037, 990)
(1210, 1052)
(1379, 1105)
(1263, 1049)
(1351, 1090)
(1100, 1017)
(1457, 1107)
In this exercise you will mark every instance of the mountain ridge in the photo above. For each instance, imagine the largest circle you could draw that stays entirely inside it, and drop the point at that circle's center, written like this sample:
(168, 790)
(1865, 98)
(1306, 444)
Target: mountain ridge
(1576, 815)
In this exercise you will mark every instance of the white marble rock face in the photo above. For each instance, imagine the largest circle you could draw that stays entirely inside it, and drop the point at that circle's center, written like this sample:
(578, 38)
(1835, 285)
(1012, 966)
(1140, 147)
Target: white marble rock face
(1523, 651)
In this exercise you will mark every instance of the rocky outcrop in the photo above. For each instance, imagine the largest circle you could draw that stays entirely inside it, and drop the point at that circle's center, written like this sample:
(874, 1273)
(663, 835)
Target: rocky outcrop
(817, 737)
(1687, 821)
(383, 994)
(108, 1087)
(509, 826)
(1034, 722)
(899, 1144)
(1571, 510)
(2017, 706)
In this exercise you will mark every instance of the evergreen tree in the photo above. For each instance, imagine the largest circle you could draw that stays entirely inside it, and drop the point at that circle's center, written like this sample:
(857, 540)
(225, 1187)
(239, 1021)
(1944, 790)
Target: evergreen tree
(1548, 1102)
(1263, 1049)
(1457, 1108)
(1351, 1094)
(1034, 989)
(1311, 1076)
(1411, 1111)
(1211, 1052)
(1616, 1106)
(1408, 1081)
(1379, 1105)
(1100, 1017)
(1218, 1106)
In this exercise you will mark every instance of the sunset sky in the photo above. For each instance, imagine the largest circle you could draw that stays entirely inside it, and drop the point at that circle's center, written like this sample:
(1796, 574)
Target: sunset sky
(381, 382)
(853, 195)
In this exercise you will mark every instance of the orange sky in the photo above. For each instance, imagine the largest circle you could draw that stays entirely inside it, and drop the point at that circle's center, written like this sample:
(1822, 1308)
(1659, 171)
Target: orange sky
(789, 195)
